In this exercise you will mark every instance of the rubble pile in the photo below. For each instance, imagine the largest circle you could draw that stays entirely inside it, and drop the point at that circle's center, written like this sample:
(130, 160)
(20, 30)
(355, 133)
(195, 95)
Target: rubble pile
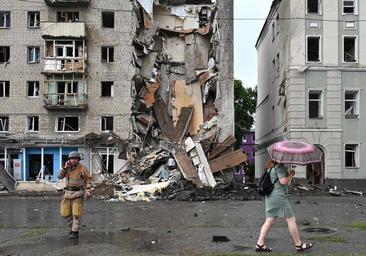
(175, 121)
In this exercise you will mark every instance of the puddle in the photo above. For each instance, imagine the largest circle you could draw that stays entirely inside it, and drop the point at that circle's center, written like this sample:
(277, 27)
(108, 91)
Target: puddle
(320, 230)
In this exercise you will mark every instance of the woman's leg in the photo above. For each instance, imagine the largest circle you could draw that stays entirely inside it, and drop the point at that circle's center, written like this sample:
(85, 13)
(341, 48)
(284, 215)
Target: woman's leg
(265, 229)
(292, 228)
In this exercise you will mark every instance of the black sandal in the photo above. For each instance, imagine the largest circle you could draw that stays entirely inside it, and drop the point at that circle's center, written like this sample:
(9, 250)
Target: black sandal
(303, 247)
(262, 248)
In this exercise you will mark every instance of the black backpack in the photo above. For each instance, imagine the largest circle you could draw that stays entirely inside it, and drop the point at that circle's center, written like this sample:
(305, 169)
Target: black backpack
(265, 185)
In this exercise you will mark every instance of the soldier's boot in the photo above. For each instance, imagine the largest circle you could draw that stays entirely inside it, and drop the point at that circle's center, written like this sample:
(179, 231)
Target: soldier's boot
(74, 235)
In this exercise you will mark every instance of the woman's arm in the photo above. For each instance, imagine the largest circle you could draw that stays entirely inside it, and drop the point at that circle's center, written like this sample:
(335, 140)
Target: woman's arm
(286, 180)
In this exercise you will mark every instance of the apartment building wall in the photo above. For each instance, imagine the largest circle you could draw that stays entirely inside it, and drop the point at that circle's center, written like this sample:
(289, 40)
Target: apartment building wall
(331, 76)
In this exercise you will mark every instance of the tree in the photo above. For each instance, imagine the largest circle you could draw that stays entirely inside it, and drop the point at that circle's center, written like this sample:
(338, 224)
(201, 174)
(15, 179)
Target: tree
(245, 100)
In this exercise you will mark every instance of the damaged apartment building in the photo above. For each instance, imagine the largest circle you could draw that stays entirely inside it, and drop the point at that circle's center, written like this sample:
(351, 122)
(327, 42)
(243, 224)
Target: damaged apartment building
(118, 82)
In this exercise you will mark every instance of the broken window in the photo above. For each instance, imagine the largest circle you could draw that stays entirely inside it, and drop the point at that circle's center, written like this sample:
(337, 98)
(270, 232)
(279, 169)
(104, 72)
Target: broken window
(4, 123)
(4, 19)
(67, 124)
(107, 89)
(313, 6)
(4, 54)
(107, 163)
(4, 89)
(32, 123)
(33, 89)
(349, 7)
(315, 104)
(34, 20)
(67, 16)
(351, 103)
(108, 19)
(313, 48)
(204, 16)
(107, 54)
(33, 54)
(350, 49)
(107, 123)
(351, 155)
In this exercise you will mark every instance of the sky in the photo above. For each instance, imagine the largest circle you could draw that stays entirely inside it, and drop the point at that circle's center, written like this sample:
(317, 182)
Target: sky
(246, 33)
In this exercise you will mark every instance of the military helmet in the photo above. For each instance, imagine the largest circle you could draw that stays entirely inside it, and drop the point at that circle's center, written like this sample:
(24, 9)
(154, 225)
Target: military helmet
(74, 154)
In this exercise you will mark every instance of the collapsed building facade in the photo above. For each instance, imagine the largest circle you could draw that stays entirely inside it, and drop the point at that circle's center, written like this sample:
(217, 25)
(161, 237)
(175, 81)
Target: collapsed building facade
(130, 85)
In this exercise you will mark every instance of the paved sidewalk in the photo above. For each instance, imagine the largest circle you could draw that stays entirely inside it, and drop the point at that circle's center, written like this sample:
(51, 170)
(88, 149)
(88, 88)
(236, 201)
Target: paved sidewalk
(32, 226)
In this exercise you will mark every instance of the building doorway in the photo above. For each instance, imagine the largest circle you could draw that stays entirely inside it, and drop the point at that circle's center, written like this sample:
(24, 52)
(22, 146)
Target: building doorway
(315, 171)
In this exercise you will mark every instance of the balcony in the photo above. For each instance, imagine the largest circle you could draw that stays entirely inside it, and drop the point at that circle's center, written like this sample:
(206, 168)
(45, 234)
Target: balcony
(67, 3)
(64, 66)
(65, 101)
(64, 30)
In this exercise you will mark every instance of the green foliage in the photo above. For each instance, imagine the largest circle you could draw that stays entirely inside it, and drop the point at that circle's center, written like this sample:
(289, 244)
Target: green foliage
(332, 239)
(245, 100)
(358, 225)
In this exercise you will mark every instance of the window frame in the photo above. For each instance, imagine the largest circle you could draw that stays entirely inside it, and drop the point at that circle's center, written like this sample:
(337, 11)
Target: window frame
(34, 55)
(104, 123)
(37, 24)
(356, 48)
(108, 57)
(319, 8)
(34, 84)
(356, 151)
(5, 92)
(33, 118)
(6, 118)
(64, 117)
(73, 17)
(111, 89)
(8, 54)
(349, 28)
(321, 103)
(109, 158)
(114, 20)
(5, 20)
(355, 7)
(319, 48)
(356, 102)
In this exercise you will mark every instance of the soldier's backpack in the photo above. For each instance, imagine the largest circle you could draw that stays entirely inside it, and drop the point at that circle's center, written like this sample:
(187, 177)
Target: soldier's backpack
(265, 185)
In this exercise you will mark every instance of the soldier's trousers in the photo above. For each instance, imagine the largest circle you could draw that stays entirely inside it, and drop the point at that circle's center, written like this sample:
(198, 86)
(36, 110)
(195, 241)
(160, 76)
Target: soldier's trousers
(71, 210)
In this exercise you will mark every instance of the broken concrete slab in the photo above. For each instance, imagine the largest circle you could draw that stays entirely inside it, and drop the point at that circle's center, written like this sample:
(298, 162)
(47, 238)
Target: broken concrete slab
(7, 180)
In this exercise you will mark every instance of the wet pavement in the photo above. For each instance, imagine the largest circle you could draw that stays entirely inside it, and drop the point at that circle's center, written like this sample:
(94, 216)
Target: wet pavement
(33, 226)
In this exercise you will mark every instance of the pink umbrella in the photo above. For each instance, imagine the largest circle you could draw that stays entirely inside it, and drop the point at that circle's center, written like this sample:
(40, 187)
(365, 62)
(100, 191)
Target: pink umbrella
(294, 152)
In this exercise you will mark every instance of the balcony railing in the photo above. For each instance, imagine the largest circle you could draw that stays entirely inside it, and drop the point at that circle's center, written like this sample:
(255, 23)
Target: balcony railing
(65, 101)
(67, 3)
(63, 65)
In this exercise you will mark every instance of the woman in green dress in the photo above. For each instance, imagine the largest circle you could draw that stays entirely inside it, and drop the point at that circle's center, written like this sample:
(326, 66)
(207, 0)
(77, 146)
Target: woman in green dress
(277, 205)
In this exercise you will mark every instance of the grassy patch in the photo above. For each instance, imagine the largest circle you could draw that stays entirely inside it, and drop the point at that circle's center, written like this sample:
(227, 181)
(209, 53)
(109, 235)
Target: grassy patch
(331, 238)
(361, 225)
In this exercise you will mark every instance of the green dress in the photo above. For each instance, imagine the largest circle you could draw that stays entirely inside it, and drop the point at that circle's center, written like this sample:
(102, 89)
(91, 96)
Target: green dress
(277, 204)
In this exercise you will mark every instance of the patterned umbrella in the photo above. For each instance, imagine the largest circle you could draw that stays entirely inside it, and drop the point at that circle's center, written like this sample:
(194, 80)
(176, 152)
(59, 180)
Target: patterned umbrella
(294, 152)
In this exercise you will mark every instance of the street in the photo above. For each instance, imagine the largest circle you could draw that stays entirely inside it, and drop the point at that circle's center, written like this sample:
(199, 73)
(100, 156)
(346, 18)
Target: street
(33, 226)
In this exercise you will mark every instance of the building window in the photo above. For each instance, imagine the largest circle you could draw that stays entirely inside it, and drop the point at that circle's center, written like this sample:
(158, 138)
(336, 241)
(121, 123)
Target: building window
(315, 104)
(67, 16)
(349, 24)
(351, 155)
(273, 31)
(67, 124)
(313, 24)
(108, 54)
(351, 103)
(313, 6)
(277, 66)
(349, 7)
(33, 89)
(313, 48)
(4, 89)
(33, 54)
(4, 123)
(4, 54)
(350, 50)
(107, 89)
(274, 69)
(107, 123)
(32, 123)
(34, 20)
(4, 19)
(107, 163)
(277, 24)
(108, 19)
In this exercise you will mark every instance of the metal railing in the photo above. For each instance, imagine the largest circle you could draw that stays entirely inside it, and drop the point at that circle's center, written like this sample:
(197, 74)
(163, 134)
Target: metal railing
(65, 65)
(65, 100)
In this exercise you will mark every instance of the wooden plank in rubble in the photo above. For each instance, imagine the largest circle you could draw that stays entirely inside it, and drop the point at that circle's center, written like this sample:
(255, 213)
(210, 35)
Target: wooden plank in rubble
(221, 147)
(227, 161)
(186, 167)
(165, 121)
(183, 123)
